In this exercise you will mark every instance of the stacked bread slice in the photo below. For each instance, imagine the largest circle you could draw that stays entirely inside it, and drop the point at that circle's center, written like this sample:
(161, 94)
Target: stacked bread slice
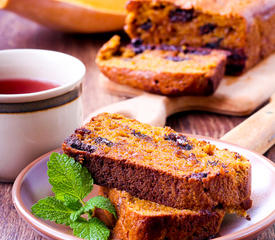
(166, 70)
(161, 177)
(142, 219)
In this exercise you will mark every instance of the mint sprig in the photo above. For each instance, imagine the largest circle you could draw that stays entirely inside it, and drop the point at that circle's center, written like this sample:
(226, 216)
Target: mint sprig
(92, 229)
(68, 177)
(72, 203)
(52, 209)
(95, 202)
(71, 183)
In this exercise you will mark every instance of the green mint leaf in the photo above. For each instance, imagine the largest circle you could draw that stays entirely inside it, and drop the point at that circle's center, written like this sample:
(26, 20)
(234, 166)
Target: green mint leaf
(95, 202)
(50, 208)
(68, 177)
(72, 202)
(93, 229)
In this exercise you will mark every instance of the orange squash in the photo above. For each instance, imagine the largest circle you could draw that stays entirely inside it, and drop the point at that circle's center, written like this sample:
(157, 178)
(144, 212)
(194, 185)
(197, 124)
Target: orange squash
(84, 16)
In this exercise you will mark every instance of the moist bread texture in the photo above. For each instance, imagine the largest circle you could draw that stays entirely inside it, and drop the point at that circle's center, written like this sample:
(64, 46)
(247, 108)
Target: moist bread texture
(141, 219)
(244, 27)
(161, 165)
(163, 69)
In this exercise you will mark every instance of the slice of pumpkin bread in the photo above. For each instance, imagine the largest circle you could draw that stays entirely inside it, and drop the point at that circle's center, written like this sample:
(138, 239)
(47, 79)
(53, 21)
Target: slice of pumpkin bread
(163, 69)
(246, 28)
(161, 165)
(142, 219)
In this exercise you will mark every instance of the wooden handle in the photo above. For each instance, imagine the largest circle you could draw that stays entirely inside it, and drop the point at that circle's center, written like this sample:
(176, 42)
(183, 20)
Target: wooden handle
(147, 108)
(257, 133)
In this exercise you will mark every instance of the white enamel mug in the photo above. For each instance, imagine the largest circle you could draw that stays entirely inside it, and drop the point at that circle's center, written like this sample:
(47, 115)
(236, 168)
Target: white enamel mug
(32, 124)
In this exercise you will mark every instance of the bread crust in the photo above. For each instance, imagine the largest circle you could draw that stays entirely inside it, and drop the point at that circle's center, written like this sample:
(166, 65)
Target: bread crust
(171, 85)
(139, 219)
(216, 186)
(252, 22)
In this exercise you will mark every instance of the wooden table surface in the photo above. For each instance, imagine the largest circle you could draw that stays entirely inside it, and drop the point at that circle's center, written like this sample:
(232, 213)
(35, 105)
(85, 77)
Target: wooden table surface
(16, 32)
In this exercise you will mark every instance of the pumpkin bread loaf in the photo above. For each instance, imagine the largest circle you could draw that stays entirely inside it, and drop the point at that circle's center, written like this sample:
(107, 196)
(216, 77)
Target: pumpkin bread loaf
(161, 165)
(244, 27)
(141, 219)
(163, 69)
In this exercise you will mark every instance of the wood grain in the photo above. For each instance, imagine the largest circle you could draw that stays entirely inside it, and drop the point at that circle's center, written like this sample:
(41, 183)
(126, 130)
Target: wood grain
(261, 129)
(16, 32)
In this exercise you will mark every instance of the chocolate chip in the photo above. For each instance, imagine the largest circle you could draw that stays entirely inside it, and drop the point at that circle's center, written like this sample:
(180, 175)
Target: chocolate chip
(88, 148)
(197, 51)
(171, 136)
(176, 58)
(137, 46)
(181, 140)
(213, 163)
(140, 48)
(199, 176)
(215, 44)
(139, 134)
(181, 15)
(147, 25)
(168, 47)
(161, 6)
(187, 146)
(101, 140)
(74, 142)
(207, 28)
(187, 50)
(136, 42)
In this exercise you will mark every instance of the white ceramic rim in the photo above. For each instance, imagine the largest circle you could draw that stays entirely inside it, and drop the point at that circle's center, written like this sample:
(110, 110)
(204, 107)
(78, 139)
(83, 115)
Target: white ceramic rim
(50, 93)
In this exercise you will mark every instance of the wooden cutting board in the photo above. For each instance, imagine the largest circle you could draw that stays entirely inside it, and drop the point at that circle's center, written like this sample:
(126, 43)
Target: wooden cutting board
(236, 96)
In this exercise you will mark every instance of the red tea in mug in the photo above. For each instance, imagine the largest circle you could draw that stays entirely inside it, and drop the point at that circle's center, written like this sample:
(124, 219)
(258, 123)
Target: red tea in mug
(20, 86)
